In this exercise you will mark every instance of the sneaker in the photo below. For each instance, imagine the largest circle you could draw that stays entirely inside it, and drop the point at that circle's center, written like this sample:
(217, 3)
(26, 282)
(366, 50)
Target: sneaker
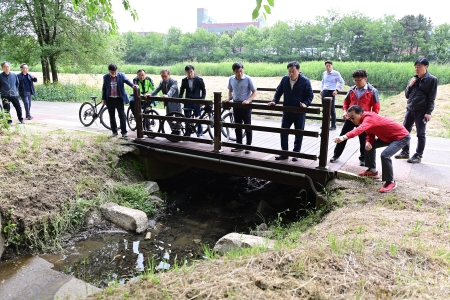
(334, 159)
(22, 122)
(247, 152)
(368, 173)
(388, 186)
(29, 118)
(295, 159)
(124, 135)
(361, 163)
(332, 128)
(402, 155)
(281, 157)
(113, 134)
(415, 159)
(236, 150)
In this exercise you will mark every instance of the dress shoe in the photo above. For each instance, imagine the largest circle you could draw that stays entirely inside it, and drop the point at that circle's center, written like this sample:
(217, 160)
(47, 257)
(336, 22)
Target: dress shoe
(113, 134)
(332, 128)
(295, 159)
(247, 152)
(280, 157)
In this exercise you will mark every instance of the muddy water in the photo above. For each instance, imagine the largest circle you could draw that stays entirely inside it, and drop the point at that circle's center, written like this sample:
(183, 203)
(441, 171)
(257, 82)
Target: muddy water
(202, 206)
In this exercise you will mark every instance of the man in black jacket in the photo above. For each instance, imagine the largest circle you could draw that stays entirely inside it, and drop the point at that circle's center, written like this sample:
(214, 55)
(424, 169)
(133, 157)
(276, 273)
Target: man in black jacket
(195, 89)
(297, 92)
(421, 93)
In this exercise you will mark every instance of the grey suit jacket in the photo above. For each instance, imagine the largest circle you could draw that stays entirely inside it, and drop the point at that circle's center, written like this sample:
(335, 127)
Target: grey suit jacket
(169, 88)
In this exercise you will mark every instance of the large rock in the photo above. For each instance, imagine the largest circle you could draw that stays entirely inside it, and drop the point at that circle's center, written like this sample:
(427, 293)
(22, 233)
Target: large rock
(2, 239)
(151, 186)
(236, 240)
(127, 218)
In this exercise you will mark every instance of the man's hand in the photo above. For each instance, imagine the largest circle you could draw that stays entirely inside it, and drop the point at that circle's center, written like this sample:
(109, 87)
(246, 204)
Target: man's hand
(226, 100)
(165, 96)
(345, 115)
(340, 139)
(104, 102)
(334, 93)
(428, 117)
(413, 80)
(271, 103)
(368, 146)
(302, 104)
(246, 102)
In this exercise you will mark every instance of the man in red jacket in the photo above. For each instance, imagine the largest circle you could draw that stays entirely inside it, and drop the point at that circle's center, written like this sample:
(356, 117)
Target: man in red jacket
(380, 132)
(365, 95)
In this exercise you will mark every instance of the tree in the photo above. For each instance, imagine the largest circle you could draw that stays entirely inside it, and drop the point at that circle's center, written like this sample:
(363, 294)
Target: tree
(61, 34)
(439, 46)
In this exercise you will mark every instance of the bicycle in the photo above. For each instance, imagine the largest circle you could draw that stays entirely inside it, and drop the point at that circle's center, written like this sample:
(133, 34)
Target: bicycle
(147, 124)
(89, 113)
(186, 129)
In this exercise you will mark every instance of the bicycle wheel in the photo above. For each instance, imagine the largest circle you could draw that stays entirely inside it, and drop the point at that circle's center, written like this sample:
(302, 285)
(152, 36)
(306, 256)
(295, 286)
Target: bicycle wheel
(104, 118)
(208, 128)
(230, 132)
(131, 121)
(87, 114)
(151, 124)
(173, 127)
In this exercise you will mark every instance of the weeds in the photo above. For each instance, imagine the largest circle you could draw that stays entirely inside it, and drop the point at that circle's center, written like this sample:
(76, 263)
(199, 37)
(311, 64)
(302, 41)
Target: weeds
(134, 196)
(392, 201)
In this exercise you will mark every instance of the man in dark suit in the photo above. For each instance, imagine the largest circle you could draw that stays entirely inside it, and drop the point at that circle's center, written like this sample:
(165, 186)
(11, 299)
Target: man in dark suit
(195, 89)
(26, 88)
(169, 88)
(114, 96)
(297, 92)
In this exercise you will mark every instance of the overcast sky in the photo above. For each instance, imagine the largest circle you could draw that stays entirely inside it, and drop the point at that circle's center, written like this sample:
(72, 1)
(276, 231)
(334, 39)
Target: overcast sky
(159, 16)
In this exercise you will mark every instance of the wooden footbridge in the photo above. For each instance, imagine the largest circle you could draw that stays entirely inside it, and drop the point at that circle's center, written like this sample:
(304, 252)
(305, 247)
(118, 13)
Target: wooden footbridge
(312, 170)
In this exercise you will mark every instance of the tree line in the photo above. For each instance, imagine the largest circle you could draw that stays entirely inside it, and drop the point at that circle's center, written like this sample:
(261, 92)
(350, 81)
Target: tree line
(348, 37)
(55, 33)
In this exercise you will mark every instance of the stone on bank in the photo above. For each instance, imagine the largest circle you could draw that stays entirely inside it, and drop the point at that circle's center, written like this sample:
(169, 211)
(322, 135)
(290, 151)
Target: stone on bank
(236, 240)
(125, 217)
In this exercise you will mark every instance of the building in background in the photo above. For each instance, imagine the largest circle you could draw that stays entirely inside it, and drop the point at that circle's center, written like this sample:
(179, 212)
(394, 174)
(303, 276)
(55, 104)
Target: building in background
(211, 25)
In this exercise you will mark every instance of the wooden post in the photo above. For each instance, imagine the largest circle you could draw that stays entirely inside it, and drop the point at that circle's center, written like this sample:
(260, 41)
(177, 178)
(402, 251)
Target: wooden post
(325, 135)
(217, 121)
(138, 110)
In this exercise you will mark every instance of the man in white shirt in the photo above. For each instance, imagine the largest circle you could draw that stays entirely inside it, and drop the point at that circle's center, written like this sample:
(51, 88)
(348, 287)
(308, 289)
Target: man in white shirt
(332, 82)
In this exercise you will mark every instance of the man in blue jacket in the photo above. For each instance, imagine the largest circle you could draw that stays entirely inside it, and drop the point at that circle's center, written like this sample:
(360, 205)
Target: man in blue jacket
(9, 85)
(26, 88)
(297, 92)
(114, 96)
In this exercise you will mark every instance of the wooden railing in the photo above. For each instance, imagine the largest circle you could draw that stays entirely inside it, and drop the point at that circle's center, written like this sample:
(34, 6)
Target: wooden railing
(218, 124)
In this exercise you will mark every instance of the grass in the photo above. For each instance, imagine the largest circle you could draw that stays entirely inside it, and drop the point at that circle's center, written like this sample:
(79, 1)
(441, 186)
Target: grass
(53, 208)
(386, 76)
(134, 196)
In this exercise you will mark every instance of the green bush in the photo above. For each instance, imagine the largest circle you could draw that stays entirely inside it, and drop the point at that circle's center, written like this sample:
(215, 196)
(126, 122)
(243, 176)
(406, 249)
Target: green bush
(66, 92)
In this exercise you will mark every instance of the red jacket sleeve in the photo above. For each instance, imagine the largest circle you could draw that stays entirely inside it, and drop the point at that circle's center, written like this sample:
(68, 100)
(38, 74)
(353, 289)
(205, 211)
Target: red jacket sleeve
(366, 124)
(376, 107)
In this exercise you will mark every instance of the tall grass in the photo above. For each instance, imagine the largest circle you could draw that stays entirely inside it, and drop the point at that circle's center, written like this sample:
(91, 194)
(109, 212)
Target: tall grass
(58, 92)
(387, 76)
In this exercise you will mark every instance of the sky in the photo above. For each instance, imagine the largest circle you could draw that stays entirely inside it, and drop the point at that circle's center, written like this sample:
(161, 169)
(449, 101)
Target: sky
(159, 16)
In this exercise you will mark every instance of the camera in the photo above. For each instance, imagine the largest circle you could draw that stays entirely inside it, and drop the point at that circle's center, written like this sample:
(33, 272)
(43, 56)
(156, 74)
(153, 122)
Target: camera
(424, 120)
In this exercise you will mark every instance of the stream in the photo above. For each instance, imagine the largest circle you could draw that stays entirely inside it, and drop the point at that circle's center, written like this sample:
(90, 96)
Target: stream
(202, 206)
